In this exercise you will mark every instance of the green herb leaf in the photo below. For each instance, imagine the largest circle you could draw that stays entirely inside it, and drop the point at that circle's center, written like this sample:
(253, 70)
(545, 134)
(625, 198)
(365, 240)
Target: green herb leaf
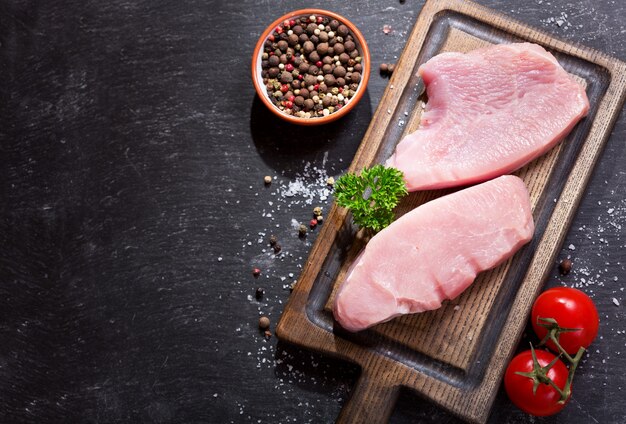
(371, 196)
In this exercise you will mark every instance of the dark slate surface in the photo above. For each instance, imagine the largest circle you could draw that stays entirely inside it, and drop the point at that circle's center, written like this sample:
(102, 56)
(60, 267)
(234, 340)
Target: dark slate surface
(132, 154)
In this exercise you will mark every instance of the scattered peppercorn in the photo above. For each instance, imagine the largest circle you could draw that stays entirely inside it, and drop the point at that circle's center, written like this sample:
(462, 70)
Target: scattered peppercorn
(313, 223)
(259, 293)
(267, 334)
(302, 230)
(330, 181)
(264, 323)
(319, 219)
(267, 179)
(273, 240)
(386, 68)
(277, 248)
(317, 211)
(304, 59)
(256, 272)
(565, 266)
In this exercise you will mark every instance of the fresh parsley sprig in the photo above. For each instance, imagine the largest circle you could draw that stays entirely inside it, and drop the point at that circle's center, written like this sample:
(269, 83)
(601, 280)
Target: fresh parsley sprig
(371, 196)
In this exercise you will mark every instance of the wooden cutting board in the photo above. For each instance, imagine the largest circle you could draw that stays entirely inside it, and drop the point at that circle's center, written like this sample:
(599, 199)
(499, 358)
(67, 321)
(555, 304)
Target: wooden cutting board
(455, 355)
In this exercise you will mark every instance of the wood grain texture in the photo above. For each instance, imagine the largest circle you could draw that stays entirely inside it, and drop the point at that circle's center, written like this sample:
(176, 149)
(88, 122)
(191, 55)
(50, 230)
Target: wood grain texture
(436, 353)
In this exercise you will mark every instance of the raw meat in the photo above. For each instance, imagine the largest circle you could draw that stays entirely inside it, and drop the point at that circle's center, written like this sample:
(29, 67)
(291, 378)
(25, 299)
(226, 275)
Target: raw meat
(489, 112)
(434, 252)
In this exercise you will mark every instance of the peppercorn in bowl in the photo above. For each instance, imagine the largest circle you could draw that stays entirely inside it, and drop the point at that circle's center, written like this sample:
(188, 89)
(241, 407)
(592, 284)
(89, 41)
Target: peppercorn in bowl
(311, 66)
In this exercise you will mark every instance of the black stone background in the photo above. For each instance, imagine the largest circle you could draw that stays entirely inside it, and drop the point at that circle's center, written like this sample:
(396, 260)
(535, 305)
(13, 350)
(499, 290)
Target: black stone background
(132, 157)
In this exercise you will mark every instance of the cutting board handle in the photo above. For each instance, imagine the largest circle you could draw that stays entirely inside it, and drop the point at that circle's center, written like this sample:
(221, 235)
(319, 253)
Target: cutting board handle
(372, 401)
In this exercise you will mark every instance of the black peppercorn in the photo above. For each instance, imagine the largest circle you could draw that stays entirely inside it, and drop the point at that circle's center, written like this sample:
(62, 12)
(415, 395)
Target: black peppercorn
(344, 58)
(314, 57)
(339, 72)
(322, 48)
(308, 47)
(355, 77)
(299, 101)
(315, 39)
(310, 28)
(308, 104)
(277, 248)
(297, 30)
(565, 266)
(259, 293)
(292, 40)
(282, 45)
(286, 77)
(273, 240)
(338, 48)
(303, 38)
(329, 80)
(349, 45)
(343, 30)
(273, 72)
(334, 24)
(310, 79)
(273, 60)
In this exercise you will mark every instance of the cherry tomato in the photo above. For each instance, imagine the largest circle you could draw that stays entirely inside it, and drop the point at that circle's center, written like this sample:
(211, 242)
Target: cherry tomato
(520, 388)
(571, 308)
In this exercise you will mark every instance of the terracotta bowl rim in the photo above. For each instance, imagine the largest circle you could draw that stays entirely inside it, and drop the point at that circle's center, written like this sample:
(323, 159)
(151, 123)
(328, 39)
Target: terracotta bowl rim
(260, 88)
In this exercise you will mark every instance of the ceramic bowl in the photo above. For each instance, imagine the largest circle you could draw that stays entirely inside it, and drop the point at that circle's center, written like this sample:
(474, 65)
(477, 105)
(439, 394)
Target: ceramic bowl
(261, 88)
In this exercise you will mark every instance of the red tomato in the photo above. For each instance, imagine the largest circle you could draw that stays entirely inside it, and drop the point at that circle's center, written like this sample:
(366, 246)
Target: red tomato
(571, 308)
(520, 388)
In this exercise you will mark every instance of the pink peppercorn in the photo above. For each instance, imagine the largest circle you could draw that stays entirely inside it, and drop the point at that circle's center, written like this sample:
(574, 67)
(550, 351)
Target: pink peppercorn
(289, 67)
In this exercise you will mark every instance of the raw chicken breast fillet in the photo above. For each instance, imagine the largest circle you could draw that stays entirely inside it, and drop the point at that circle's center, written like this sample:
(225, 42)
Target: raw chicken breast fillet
(489, 112)
(434, 252)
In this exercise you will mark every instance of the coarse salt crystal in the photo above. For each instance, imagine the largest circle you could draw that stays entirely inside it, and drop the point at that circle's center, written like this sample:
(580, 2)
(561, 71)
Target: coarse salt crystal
(615, 302)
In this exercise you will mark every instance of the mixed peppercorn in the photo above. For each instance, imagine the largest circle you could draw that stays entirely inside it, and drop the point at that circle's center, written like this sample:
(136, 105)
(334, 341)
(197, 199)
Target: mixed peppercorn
(311, 66)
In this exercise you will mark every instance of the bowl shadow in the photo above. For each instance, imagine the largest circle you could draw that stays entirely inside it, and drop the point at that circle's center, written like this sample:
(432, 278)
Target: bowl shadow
(286, 147)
